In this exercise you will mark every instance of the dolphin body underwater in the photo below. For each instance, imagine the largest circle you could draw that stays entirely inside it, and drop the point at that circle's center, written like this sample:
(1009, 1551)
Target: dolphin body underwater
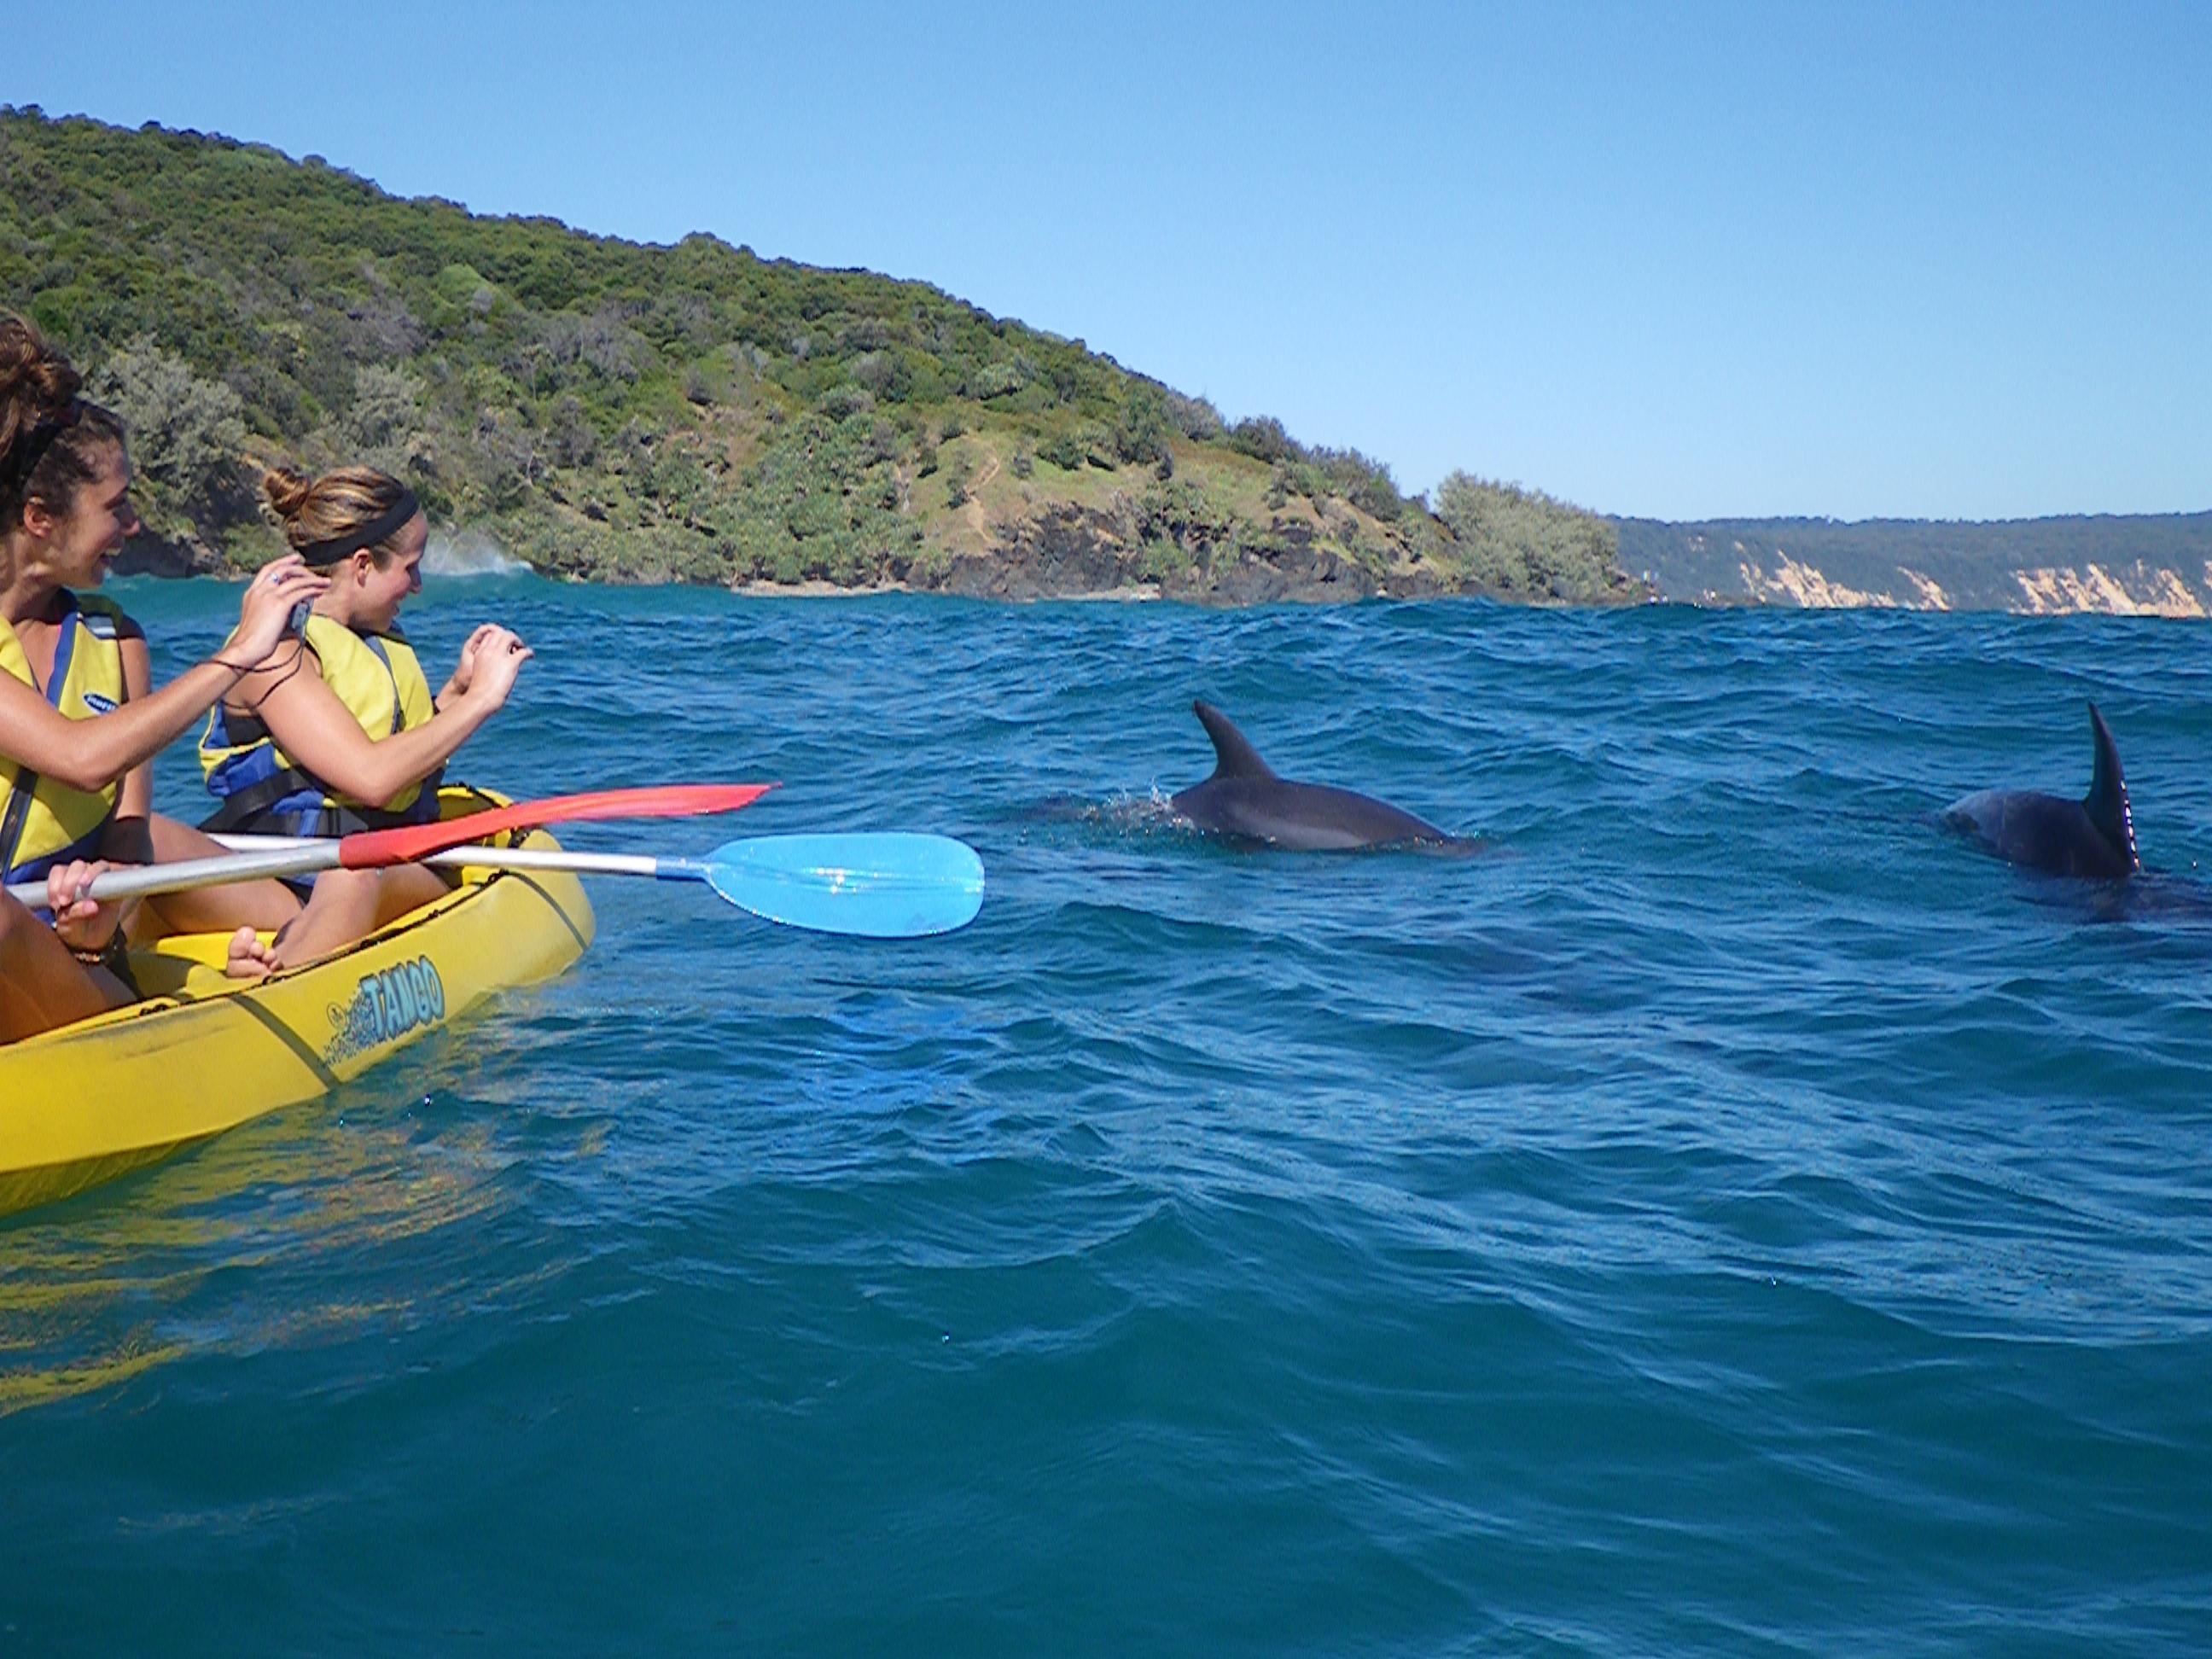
(1245, 802)
(2093, 837)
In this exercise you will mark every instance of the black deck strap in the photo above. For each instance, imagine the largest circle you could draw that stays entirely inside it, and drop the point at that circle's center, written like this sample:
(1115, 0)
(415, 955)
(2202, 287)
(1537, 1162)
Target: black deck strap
(241, 806)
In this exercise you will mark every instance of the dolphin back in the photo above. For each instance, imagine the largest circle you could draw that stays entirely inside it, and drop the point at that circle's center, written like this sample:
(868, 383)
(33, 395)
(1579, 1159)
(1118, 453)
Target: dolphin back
(2093, 837)
(1233, 757)
(1245, 801)
(2106, 803)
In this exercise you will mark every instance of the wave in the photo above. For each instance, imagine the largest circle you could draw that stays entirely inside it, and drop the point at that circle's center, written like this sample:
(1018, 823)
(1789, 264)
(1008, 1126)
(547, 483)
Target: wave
(470, 553)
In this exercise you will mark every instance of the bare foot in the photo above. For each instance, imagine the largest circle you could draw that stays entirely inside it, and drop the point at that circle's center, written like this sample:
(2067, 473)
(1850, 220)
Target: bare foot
(249, 958)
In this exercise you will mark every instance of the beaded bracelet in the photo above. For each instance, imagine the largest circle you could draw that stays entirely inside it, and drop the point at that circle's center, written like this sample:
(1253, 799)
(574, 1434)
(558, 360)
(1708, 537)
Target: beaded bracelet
(109, 956)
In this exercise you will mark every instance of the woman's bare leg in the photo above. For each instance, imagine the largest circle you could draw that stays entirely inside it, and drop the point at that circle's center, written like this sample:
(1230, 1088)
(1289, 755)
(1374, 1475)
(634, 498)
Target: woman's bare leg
(263, 905)
(41, 984)
(345, 905)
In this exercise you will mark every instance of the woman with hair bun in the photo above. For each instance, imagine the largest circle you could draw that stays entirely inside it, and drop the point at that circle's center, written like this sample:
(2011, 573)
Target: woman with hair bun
(341, 732)
(79, 717)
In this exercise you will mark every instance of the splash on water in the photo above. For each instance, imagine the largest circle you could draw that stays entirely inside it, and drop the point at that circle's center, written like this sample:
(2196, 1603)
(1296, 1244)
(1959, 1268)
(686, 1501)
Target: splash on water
(1124, 813)
(469, 553)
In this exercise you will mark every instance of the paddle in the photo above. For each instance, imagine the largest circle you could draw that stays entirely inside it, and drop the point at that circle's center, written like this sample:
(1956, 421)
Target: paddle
(372, 849)
(874, 886)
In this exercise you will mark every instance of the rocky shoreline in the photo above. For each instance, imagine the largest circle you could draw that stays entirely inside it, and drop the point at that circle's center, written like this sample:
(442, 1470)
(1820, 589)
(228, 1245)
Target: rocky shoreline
(1065, 552)
(1075, 553)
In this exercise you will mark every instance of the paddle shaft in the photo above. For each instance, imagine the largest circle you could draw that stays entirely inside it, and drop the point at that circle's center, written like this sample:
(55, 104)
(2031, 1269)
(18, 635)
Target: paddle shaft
(374, 849)
(141, 880)
(511, 858)
(283, 856)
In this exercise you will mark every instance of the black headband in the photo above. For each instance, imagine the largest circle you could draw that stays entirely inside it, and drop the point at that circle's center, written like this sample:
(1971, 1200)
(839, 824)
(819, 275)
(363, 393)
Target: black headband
(368, 535)
(24, 455)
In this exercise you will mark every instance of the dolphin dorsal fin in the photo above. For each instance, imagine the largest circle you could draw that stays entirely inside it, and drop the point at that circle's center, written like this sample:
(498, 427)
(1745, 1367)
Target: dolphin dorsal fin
(1233, 757)
(2106, 803)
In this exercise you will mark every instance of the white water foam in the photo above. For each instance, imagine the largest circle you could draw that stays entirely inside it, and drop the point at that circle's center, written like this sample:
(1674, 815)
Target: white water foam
(470, 553)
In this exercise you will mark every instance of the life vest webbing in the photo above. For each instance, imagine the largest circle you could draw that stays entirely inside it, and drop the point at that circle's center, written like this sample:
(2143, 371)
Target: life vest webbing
(19, 810)
(26, 787)
(243, 806)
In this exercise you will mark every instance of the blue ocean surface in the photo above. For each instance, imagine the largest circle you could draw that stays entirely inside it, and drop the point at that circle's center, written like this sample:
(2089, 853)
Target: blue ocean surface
(1732, 1215)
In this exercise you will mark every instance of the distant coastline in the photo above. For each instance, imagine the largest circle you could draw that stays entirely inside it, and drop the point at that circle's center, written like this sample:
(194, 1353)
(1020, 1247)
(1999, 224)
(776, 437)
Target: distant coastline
(2110, 564)
(2147, 564)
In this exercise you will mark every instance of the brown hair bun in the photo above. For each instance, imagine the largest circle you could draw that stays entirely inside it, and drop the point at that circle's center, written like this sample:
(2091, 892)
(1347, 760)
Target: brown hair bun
(287, 491)
(51, 442)
(317, 512)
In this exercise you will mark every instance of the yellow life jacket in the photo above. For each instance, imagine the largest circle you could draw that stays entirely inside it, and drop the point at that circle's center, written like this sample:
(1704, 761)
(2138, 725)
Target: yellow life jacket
(263, 789)
(45, 823)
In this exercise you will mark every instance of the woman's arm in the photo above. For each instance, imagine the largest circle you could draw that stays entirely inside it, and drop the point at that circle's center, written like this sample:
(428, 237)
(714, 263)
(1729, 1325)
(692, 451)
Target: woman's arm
(91, 754)
(320, 733)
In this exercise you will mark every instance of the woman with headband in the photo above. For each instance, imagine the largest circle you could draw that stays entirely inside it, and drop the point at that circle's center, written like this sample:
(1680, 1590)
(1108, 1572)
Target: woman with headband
(341, 733)
(79, 717)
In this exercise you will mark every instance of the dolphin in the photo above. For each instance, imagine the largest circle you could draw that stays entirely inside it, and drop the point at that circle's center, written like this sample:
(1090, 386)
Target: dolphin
(1245, 801)
(2094, 837)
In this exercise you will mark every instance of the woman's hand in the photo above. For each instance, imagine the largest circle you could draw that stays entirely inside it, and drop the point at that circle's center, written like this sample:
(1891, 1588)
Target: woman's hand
(82, 924)
(265, 615)
(498, 658)
(464, 670)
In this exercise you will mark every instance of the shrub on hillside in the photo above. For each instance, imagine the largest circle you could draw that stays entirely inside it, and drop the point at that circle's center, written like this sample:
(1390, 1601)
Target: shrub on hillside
(1064, 450)
(1262, 438)
(1524, 542)
(183, 430)
(1195, 417)
(1141, 433)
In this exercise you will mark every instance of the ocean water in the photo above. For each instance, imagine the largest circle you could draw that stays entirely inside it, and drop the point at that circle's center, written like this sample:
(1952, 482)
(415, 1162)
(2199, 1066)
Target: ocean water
(1731, 1216)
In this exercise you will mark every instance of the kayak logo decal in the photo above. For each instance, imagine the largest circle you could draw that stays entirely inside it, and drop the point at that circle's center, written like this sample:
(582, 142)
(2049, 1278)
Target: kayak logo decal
(385, 1006)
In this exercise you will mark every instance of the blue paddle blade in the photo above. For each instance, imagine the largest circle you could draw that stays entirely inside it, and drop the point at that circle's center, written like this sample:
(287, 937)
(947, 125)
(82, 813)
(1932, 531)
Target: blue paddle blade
(882, 886)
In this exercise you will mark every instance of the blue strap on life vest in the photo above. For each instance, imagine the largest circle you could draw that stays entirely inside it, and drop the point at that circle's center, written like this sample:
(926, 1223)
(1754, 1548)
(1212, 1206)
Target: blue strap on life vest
(27, 781)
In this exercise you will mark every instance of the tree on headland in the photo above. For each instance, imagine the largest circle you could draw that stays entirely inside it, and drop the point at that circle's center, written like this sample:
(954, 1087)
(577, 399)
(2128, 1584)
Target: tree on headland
(185, 431)
(1523, 542)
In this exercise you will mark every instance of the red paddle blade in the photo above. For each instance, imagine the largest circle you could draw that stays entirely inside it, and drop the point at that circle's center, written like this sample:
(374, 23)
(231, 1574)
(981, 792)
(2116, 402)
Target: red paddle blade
(373, 849)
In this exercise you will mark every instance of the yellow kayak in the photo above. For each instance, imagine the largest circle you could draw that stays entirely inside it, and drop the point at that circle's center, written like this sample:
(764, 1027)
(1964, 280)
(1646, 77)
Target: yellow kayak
(204, 1053)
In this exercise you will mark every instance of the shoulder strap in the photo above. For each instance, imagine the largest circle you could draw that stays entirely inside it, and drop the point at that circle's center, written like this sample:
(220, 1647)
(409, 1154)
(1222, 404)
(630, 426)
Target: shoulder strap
(25, 787)
(98, 615)
(19, 809)
(398, 708)
(64, 648)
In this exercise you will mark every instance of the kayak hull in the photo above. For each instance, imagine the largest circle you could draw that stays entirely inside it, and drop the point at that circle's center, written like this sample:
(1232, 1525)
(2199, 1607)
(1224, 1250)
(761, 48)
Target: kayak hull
(204, 1053)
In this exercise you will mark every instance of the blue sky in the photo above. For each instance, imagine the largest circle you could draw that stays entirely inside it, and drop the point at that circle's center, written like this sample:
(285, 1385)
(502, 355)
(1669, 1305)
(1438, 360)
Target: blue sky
(1929, 260)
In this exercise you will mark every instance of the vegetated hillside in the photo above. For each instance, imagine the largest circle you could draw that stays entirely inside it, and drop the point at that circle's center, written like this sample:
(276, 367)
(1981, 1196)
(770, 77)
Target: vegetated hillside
(2154, 564)
(689, 413)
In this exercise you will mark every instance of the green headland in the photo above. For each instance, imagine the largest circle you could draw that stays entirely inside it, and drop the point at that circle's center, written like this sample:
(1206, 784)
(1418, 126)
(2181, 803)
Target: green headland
(692, 413)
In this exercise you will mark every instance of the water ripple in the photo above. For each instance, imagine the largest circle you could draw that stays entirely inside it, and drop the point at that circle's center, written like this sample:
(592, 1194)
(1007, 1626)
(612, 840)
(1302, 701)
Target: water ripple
(1734, 1216)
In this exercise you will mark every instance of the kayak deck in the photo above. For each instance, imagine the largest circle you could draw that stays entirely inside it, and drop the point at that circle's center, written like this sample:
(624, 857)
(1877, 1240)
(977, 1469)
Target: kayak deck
(204, 1053)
